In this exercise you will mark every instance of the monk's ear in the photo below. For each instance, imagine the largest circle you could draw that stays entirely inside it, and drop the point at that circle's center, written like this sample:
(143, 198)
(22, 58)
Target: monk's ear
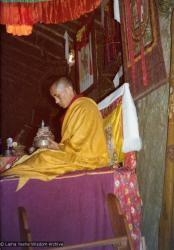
(70, 88)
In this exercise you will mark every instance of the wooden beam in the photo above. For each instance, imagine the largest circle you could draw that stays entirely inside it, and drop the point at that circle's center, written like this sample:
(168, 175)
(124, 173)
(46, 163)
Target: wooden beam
(60, 29)
(34, 61)
(10, 79)
(7, 62)
(51, 29)
(49, 38)
(31, 49)
(8, 48)
(19, 59)
(42, 51)
(27, 73)
(22, 45)
(17, 76)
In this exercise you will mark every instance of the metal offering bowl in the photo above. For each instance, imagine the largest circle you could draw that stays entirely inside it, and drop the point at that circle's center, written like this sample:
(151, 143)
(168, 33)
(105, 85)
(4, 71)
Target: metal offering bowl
(41, 142)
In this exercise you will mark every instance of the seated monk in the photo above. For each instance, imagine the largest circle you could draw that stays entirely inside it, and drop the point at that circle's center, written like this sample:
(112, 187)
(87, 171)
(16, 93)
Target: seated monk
(83, 144)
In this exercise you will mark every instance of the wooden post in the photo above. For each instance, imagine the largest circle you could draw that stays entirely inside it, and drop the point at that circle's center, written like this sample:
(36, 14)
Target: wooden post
(166, 233)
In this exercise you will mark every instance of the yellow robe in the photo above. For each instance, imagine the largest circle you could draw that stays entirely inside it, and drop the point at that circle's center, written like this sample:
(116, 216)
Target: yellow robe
(83, 146)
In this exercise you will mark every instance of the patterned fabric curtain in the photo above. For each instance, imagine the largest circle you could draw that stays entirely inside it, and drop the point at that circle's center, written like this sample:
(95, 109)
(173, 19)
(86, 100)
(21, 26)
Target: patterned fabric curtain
(29, 12)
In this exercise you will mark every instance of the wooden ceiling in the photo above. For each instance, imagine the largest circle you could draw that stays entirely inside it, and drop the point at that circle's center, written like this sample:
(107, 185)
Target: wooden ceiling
(31, 58)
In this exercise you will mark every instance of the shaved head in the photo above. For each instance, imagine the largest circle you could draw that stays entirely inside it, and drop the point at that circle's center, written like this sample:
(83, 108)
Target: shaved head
(62, 83)
(62, 91)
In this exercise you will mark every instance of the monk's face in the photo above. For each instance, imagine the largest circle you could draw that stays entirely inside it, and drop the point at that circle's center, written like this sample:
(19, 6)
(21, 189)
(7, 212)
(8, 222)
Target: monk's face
(62, 95)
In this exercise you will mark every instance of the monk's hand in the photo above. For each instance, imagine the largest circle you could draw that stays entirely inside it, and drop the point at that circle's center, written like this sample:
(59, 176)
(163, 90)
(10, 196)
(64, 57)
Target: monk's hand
(53, 145)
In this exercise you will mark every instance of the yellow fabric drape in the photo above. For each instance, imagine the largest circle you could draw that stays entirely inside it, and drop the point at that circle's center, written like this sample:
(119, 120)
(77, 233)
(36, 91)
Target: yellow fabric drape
(83, 146)
(114, 134)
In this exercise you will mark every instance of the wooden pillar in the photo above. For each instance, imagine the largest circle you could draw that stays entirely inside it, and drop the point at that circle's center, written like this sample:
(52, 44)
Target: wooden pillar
(166, 232)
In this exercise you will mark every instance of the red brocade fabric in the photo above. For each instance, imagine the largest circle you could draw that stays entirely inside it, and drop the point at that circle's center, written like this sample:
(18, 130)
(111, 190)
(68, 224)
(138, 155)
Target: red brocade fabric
(127, 191)
(54, 11)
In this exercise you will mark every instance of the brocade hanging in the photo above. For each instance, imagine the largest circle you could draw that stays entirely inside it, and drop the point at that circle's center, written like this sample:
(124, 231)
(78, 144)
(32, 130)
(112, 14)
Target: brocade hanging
(143, 60)
(54, 11)
(23, 1)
